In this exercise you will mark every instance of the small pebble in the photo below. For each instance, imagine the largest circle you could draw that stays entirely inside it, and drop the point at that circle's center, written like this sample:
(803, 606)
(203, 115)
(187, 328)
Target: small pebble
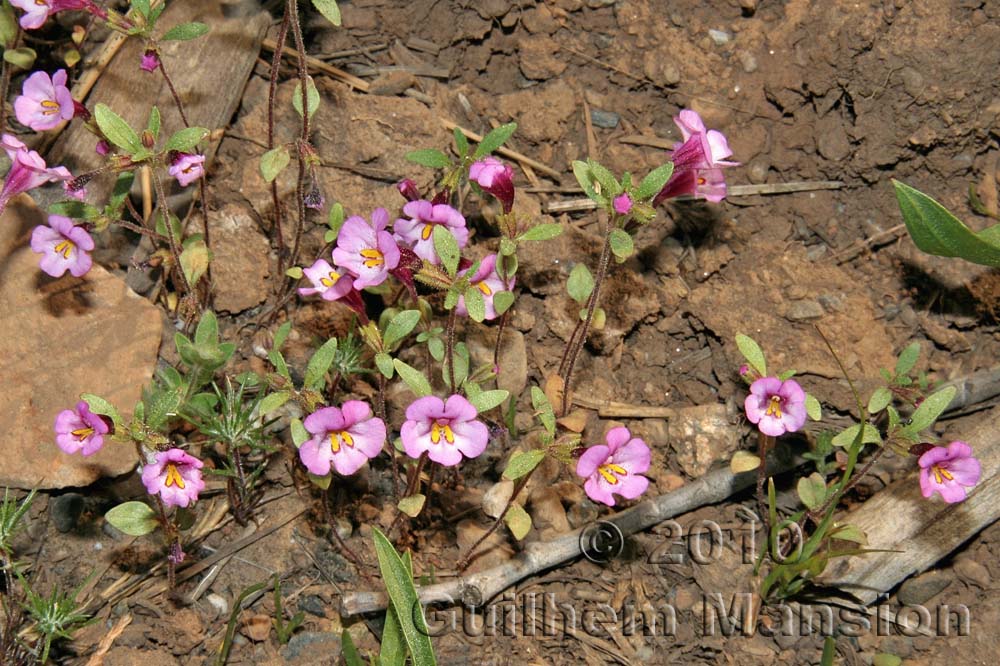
(605, 119)
(313, 604)
(218, 604)
(720, 37)
(66, 510)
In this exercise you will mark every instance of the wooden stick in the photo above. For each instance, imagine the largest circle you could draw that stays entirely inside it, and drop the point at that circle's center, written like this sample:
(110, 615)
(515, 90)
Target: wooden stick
(478, 588)
(320, 66)
(507, 152)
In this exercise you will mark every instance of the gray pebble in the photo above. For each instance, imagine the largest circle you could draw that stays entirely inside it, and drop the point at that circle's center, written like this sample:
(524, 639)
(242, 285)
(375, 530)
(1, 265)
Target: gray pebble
(803, 310)
(66, 510)
(720, 37)
(605, 119)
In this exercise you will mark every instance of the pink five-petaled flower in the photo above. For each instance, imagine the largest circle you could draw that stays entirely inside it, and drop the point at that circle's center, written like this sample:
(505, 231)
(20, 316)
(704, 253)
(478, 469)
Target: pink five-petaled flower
(615, 468)
(150, 60)
(187, 168)
(44, 102)
(444, 430)
(80, 430)
(347, 437)
(418, 231)
(622, 204)
(36, 11)
(698, 161)
(776, 406)
(327, 281)
(63, 246)
(175, 475)
(367, 250)
(27, 170)
(496, 178)
(488, 282)
(948, 470)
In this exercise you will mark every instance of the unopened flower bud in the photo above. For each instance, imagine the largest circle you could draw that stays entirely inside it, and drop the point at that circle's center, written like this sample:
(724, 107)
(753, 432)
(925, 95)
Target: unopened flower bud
(408, 189)
(148, 140)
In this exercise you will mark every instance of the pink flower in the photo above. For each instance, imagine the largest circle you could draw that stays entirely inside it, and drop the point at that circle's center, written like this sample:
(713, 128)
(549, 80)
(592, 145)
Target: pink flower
(102, 148)
(63, 247)
(27, 170)
(36, 11)
(79, 430)
(327, 282)
(367, 250)
(150, 60)
(949, 471)
(418, 230)
(446, 431)
(175, 476)
(698, 161)
(496, 178)
(615, 469)
(776, 406)
(44, 102)
(487, 281)
(187, 168)
(622, 204)
(347, 437)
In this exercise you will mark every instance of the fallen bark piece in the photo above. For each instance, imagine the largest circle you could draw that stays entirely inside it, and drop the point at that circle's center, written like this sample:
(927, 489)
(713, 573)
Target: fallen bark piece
(60, 337)
(918, 531)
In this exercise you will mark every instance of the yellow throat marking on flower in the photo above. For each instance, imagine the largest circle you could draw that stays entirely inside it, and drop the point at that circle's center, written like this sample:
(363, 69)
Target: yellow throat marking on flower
(340, 436)
(485, 288)
(611, 472)
(173, 477)
(774, 409)
(372, 257)
(330, 279)
(426, 232)
(49, 107)
(65, 248)
(940, 473)
(437, 430)
(82, 433)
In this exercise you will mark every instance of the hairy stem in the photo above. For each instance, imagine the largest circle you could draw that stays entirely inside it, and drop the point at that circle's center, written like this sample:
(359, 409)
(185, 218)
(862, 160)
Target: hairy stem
(292, 11)
(271, 98)
(450, 348)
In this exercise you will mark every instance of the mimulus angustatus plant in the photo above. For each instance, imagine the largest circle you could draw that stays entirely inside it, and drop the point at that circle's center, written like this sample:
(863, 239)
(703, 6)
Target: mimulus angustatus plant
(175, 476)
(79, 430)
(949, 471)
(496, 178)
(417, 229)
(28, 170)
(776, 406)
(37, 11)
(446, 431)
(615, 468)
(63, 246)
(488, 282)
(187, 168)
(368, 251)
(329, 283)
(698, 161)
(44, 102)
(345, 437)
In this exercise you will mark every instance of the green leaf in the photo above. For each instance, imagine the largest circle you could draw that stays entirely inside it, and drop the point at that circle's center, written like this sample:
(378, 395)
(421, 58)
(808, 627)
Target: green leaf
(75, 209)
(207, 332)
(142, 7)
(273, 401)
(743, 461)
(412, 505)
(580, 283)
(392, 652)
(813, 408)
(494, 139)
(335, 220)
(475, 305)
(312, 96)
(299, 433)
(185, 140)
(322, 482)
(350, 651)
(543, 409)
(23, 57)
(621, 244)
(295, 272)
(8, 25)
(116, 129)
(413, 378)
(541, 232)
(609, 186)
(400, 326)
(518, 521)
(907, 359)
(319, 364)
(384, 364)
(930, 409)
(936, 231)
(880, 399)
(429, 157)
(281, 335)
(447, 248)
(161, 405)
(508, 246)
(99, 405)
(405, 601)
(184, 32)
(195, 258)
(654, 181)
(847, 437)
(123, 186)
(133, 518)
(487, 400)
(812, 490)
(273, 162)
(582, 172)
(461, 143)
(153, 124)
(886, 659)
(752, 353)
(329, 10)
(523, 463)
(502, 300)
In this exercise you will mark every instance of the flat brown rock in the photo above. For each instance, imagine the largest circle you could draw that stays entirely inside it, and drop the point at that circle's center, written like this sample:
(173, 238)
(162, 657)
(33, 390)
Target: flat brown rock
(60, 337)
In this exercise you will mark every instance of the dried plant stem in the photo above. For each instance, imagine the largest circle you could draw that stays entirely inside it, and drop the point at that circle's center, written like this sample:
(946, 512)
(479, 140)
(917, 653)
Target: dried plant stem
(173, 93)
(518, 487)
(292, 12)
(450, 348)
(766, 443)
(271, 98)
(161, 202)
